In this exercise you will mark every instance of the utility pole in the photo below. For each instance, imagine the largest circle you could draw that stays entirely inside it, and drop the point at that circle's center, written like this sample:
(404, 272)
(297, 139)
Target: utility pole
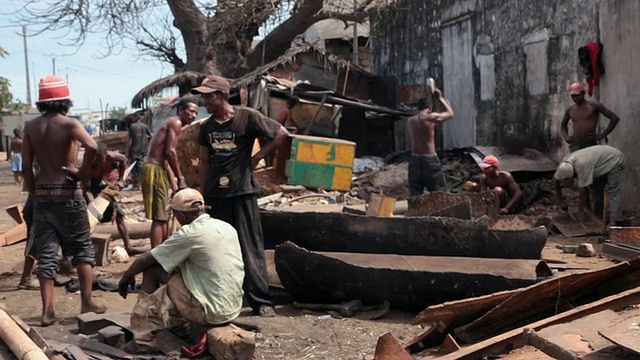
(53, 62)
(355, 35)
(26, 63)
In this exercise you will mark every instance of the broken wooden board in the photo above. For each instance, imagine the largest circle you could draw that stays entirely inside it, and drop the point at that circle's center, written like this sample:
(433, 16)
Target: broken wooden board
(570, 227)
(15, 211)
(629, 235)
(482, 203)
(625, 334)
(541, 300)
(517, 337)
(576, 338)
(429, 236)
(14, 235)
(407, 282)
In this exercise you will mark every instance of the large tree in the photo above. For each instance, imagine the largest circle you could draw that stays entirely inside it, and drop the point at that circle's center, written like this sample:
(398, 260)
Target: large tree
(5, 92)
(211, 37)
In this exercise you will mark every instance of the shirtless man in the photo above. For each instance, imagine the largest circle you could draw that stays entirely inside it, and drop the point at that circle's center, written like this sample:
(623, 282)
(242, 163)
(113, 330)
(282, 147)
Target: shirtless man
(108, 170)
(584, 115)
(15, 155)
(155, 178)
(425, 170)
(501, 182)
(60, 210)
(283, 116)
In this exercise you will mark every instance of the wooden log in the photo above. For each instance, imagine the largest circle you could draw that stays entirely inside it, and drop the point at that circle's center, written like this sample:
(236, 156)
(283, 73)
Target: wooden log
(136, 230)
(345, 232)
(19, 343)
(407, 282)
(516, 337)
(231, 343)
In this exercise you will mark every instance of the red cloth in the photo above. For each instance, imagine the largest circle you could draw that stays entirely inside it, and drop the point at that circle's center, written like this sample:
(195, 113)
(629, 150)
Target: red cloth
(197, 349)
(594, 49)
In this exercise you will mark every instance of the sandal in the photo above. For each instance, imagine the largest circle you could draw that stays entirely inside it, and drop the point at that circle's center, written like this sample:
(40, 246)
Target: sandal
(31, 284)
(265, 311)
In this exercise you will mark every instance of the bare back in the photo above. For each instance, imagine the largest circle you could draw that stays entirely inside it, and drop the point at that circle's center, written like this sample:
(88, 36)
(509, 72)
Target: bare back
(585, 121)
(16, 145)
(422, 133)
(503, 180)
(52, 140)
(158, 146)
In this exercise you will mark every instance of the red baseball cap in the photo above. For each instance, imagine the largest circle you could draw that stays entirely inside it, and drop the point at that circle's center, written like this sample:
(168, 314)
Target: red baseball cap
(490, 161)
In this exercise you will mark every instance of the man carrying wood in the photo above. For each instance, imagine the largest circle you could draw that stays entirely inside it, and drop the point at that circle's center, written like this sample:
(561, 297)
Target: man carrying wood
(196, 274)
(155, 176)
(60, 210)
(502, 183)
(108, 171)
(587, 165)
(227, 183)
(425, 170)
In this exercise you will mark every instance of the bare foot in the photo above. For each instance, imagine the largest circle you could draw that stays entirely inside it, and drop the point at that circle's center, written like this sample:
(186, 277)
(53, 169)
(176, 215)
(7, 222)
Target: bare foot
(95, 308)
(133, 251)
(51, 319)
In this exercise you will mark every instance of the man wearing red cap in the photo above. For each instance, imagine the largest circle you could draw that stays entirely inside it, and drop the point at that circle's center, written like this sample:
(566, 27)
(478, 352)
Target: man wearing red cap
(501, 182)
(227, 182)
(584, 115)
(59, 192)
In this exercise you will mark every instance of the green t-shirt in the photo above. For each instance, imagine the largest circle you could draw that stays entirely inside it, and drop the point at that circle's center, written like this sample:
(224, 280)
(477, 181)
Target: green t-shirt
(593, 162)
(207, 252)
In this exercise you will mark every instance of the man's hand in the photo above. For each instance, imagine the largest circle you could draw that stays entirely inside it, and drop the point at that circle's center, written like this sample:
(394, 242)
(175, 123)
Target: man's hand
(182, 184)
(504, 211)
(254, 162)
(124, 284)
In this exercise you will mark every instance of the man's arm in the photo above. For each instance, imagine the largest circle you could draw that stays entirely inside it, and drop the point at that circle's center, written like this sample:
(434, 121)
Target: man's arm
(583, 198)
(10, 149)
(171, 141)
(27, 165)
(205, 156)
(128, 279)
(442, 116)
(148, 131)
(80, 134)
(564, 130)
(515, 190)
(613, 120)
(557, 185)
(483, 183)
(271, 147)
(122, 163)
(281, 116)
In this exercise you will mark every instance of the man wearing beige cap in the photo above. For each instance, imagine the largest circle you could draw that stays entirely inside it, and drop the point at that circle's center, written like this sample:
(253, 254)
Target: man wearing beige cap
(594, 162)
(227, 182)
(59, 193)
(196, 274)
(584, 114)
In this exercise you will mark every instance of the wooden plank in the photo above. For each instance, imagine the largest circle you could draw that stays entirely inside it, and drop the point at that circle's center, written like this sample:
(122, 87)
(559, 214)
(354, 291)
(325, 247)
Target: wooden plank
(515, 337)
(624, 334)
(15, 211)
(407, 282)
(380, 205)
(14, 235)
(540, 300)
(624, 235)
(570, 227)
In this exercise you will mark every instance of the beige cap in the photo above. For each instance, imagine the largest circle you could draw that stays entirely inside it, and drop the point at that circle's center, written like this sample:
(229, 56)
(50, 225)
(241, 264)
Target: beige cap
(564, 171)
(187, 200)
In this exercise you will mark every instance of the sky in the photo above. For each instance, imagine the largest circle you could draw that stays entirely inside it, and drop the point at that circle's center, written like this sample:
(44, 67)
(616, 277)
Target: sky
(92, 80)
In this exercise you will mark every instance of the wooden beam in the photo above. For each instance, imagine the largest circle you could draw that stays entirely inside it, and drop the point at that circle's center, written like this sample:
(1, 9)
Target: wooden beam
(486, 347)
(19, 343)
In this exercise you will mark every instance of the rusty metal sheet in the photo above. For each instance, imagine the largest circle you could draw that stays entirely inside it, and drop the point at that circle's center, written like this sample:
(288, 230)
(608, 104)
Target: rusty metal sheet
(620, 252)
(624, 235)
(532, 160)
(624, 334)
(569, 227)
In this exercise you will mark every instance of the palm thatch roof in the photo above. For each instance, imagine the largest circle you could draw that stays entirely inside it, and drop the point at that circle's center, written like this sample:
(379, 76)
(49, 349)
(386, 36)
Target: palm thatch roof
(290, 56)
(183, 78)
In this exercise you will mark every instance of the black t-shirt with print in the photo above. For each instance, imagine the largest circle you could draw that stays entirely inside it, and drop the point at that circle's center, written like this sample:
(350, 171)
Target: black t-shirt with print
(231, 143)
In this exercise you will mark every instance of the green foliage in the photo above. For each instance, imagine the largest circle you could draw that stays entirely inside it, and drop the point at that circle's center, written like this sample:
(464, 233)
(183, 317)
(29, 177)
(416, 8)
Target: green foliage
(118, 113)
(6, 96)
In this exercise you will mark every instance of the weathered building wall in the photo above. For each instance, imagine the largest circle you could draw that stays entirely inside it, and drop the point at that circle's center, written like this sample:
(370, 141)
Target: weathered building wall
(619, 26)
(507, 77)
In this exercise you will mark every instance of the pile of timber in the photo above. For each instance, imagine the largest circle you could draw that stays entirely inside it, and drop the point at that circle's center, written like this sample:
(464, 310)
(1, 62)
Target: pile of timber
(429, 236)
(407, 282)
(541, 315)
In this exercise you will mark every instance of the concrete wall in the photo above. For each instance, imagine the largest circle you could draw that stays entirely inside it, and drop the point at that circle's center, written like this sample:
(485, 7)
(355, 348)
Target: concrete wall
(619, 26)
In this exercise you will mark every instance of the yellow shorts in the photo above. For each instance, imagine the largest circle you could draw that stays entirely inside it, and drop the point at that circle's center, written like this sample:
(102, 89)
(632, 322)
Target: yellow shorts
(154, 183)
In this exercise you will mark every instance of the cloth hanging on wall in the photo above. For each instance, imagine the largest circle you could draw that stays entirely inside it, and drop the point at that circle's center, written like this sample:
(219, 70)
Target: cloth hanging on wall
(590, 57)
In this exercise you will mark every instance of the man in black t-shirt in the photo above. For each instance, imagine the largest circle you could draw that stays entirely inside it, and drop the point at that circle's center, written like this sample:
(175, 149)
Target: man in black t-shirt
(139, 136)
(226, 178)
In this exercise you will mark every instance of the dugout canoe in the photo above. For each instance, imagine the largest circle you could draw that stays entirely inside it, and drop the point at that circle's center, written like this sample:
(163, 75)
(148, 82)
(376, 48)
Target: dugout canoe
(408, 282)
(429, 236)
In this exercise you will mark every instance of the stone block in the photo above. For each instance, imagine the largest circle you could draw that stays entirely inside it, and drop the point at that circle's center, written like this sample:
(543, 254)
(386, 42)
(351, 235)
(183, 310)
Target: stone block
(231, 343)
(586, 250)
(111, 335)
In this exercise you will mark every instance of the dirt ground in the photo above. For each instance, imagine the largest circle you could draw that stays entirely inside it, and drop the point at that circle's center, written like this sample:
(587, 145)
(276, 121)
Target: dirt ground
(291, 335)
